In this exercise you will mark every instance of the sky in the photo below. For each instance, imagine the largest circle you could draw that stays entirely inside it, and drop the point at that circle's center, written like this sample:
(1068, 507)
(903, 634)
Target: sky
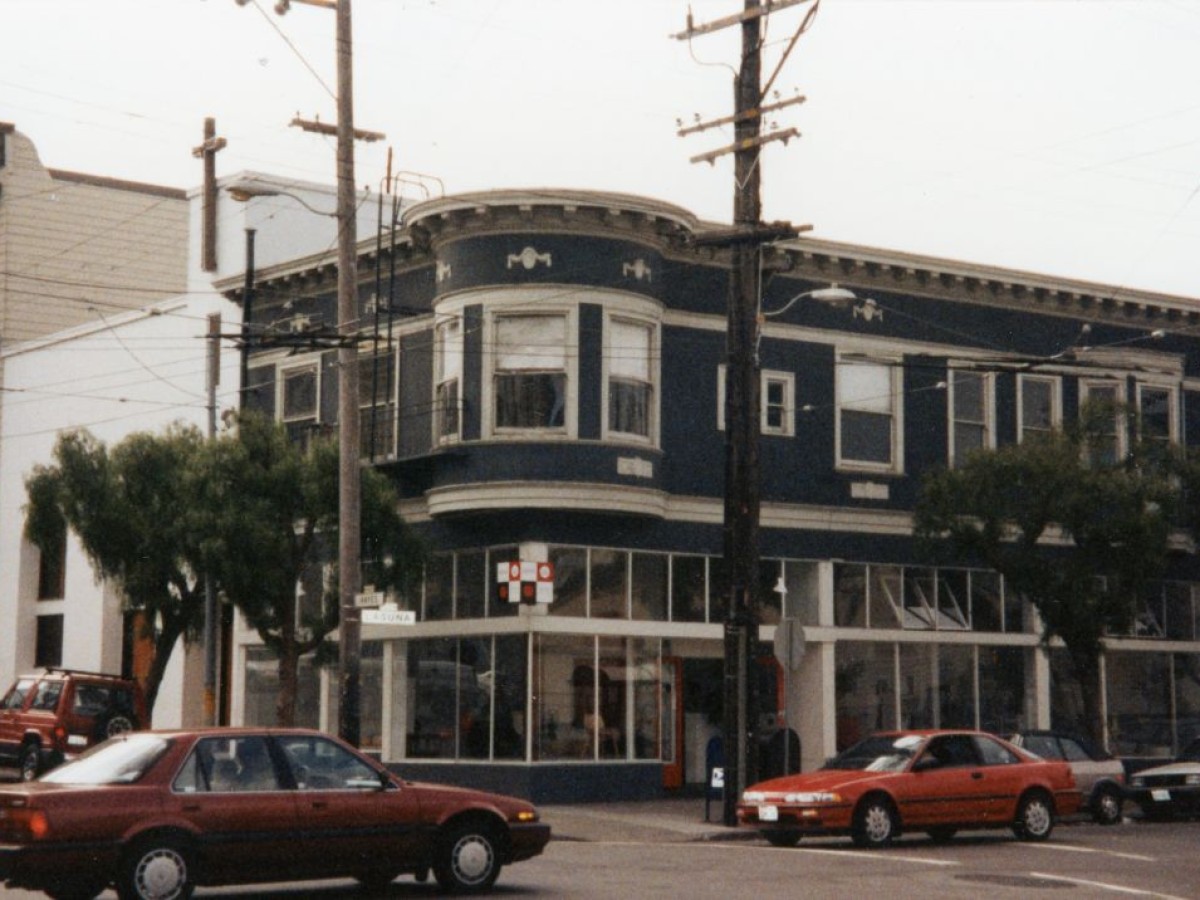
(1052, 136)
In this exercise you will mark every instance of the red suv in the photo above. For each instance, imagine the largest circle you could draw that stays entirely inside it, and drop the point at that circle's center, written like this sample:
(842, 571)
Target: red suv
(52, 715)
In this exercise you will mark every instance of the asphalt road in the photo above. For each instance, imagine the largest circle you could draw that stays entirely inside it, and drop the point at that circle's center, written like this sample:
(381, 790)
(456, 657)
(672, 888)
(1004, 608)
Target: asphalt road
(1159, 860)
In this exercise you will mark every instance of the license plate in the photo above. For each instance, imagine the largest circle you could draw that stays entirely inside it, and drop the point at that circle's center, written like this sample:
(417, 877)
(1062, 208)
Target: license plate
(1161, 794)
(768, 814)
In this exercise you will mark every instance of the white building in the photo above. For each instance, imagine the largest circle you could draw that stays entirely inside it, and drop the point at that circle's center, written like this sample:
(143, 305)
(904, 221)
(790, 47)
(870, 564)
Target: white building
(116, 372)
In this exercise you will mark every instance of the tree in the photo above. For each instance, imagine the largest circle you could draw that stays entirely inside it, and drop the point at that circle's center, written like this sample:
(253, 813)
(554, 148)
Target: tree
(1081, 541)
(273, 521)
(135, 511)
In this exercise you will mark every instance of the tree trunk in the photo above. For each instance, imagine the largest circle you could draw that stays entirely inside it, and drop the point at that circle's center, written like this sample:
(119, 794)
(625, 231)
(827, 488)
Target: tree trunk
(164, 645)
(1087, 671)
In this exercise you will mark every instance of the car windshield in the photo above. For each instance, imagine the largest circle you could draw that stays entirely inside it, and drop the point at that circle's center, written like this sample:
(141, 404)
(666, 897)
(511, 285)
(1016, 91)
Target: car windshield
(119, 760)
(880, 753)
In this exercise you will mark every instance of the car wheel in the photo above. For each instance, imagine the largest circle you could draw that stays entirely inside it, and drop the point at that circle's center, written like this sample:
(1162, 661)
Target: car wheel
(468, 859)
(117, 723)
(778, 838)
(156, 869)
(1106, 807)
(875, 823)
(942, 834)
(30, 762)
(1035, 817)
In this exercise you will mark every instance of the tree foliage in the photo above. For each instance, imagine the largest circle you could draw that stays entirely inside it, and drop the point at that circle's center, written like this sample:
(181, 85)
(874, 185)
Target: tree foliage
(1080, 541)
(273, 522)
(252, 508)
(135, 511)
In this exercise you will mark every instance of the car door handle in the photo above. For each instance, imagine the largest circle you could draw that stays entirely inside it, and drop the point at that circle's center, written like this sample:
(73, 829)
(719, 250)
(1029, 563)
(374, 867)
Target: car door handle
(977, 775)
(320, 804)
(191, 807)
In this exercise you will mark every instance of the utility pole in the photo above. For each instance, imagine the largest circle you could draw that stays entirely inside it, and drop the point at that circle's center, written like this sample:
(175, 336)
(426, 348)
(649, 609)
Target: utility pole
(349, 438)
(208, 152)
(210, 588)
(743, 476)
(349, 472)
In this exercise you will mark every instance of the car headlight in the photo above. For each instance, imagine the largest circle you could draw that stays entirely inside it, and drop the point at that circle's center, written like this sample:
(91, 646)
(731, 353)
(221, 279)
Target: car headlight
(754, 796)
(1138, 781)
(1192, 779)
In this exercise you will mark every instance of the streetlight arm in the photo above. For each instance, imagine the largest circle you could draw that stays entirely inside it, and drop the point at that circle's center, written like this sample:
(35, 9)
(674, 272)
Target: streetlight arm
(243, 193)
(832, 295)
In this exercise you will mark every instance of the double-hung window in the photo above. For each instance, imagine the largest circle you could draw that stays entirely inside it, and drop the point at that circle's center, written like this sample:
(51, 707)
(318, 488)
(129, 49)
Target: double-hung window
(868, 407)
(630, 356)
(448, 361)
(300, 401)
(971, 419)
(1157, 418)
(1040, 405)
(377, 408)
(1101, 408)
(530, 372)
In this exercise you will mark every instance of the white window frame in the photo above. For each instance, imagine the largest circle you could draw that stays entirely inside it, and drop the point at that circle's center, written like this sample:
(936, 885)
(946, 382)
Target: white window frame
(894, 398)
(611, 353)
(787, 425)
(988, 389)
(1055, 403)
(509, 309)
(1172, 390)
(282, 373)
(440, 380)
(765, 376)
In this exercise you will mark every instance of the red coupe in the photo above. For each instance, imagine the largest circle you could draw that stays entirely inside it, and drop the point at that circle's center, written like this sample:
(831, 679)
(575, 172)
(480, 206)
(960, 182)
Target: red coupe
(157, 813)
(933, 781)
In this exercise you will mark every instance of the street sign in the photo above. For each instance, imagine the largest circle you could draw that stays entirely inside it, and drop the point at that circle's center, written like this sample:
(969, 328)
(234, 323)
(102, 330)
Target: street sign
(389, 616)
(369, 598)
(789, 644)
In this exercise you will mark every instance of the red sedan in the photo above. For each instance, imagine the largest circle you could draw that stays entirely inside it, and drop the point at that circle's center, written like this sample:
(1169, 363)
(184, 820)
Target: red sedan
(932, 781)
(157, 813)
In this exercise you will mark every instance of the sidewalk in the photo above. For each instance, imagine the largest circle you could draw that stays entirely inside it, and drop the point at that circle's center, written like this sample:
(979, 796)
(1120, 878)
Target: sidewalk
(669, 820)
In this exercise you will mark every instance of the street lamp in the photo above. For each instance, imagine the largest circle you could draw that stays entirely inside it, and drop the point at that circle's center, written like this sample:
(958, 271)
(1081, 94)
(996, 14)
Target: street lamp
(248, 190)
(832, 295)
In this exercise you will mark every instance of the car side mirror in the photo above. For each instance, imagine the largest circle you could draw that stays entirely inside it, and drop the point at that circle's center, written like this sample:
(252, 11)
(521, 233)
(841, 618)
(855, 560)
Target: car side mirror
(926, 763)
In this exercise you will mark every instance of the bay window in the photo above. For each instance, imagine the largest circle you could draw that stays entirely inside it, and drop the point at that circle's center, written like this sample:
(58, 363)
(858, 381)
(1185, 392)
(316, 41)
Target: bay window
(629, 353)
(530, 372)
(448, 360)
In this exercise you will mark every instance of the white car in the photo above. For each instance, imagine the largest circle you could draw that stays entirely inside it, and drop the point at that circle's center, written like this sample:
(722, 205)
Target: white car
(1100, 777)
(1171, 790)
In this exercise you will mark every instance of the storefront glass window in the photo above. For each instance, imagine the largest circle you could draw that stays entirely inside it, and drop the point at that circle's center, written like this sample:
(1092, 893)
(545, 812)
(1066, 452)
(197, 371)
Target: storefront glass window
(885, 596)
(609, 724)
(1181, 611)
(956, 686)
(509, 683)
(470, 584)
(495, 606)
(652, 702)
(262, 689)
(1187, 698)
(570, 581)
(917, 662)
(439, 588)
(370, 721)
(987, 602)
(688, 588)
(866, 689)
(609, 582)
(718, 589)
(564, 693)
(803, 600)
(1005, 696)
(1066, 697)
(649, 594)
(436, 679)
(1139, 704)
(770, 601)
(850, 595)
